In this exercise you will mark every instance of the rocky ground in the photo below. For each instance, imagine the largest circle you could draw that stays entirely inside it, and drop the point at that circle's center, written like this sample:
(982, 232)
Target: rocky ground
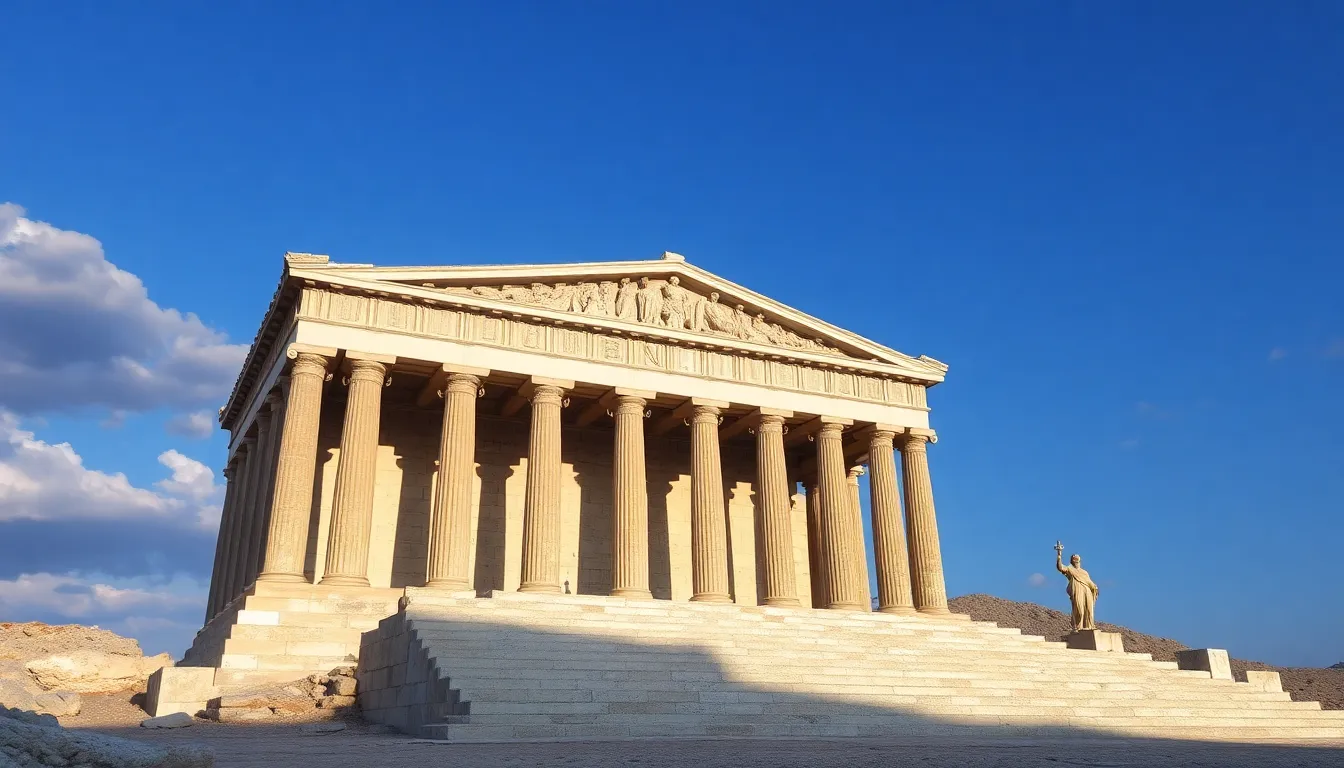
(1303, 683)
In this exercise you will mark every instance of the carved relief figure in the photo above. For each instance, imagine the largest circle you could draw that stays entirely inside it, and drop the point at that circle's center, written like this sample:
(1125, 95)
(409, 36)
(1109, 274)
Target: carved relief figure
(675, 304)
(1082, 590)
(651, 301)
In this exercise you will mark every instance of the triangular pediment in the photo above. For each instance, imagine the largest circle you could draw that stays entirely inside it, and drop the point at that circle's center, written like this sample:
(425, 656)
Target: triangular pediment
(660, 297)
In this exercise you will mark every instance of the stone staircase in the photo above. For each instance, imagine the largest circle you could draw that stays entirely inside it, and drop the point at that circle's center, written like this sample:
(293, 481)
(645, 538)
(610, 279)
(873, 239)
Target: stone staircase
(520, 666)
(278, 632)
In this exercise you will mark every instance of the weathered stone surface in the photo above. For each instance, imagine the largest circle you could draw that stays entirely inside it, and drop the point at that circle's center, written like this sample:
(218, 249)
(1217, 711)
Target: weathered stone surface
(58, 703)
(238, 715)
(334, 702)
(348, 671)
(341, 686)
(37, 741)
(317, 729)
(91, 671)
(179, 689)
(175, 720)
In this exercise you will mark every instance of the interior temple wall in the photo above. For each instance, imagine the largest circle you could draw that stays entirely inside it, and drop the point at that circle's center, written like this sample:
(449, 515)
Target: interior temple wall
(407, 474)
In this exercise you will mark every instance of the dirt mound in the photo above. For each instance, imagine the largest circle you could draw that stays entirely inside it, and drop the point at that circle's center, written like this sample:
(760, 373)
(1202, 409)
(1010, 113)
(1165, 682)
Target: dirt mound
(33, 640)
(1303, 683)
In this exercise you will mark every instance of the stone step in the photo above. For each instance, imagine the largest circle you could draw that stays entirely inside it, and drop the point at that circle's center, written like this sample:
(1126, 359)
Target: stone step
(807, 728)
(523, 666)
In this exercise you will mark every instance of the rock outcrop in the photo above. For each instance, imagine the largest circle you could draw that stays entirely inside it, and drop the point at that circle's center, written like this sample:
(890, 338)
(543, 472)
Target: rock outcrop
(93, 671)
(29, 740)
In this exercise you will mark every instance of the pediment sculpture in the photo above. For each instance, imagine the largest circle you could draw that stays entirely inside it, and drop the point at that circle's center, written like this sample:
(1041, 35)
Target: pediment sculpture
(652, 301)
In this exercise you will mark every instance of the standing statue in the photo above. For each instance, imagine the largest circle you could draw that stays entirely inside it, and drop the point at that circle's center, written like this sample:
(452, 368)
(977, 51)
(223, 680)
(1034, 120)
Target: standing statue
(1082, 590)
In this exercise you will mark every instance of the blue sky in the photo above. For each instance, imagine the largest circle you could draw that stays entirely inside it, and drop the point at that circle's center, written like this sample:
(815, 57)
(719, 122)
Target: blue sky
(1120, 226)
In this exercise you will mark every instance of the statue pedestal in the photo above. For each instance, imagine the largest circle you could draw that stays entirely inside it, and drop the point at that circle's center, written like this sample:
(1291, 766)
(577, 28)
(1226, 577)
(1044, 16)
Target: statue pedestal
(1095, 640)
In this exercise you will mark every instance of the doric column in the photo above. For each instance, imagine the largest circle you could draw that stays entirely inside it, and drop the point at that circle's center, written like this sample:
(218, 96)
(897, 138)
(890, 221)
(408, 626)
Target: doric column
(240, 541)
(893, 567)
(270, 420)
(450, 542)
(292, 499)
(541, 507)
(709, 522)
(352, 506)
(858, 564)
(926, 559)
(836, 518)
(772, 494)
(630, 500)
(222, 539)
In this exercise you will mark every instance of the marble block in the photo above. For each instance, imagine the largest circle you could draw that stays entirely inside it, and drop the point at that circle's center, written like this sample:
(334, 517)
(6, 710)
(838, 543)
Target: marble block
(1095, 640)
(1211, 660)
(179, 689)
(1264, 681)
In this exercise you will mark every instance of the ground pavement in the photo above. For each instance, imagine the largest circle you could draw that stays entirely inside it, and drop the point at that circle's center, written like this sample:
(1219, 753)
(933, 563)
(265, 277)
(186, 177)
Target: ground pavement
(238, 746)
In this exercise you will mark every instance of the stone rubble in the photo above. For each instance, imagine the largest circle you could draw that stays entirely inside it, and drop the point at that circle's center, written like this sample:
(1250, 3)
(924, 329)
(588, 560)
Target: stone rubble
(29, 740)
(333, 692)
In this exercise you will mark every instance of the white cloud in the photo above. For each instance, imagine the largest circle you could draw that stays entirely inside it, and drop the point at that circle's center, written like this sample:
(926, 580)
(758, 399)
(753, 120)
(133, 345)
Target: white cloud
(76, 595)
(77, 331)
(197, 425)
(1036, 580)
(42, 481)
(190, 477)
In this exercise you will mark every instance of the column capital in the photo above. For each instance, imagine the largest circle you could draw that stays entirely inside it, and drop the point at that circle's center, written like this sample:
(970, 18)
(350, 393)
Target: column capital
(275, 398)
(770, 422)
(705, 414)
(916, 439)
(546, 394)
(468, 369)
(353, 356)
(881, 438)
(855, 472)
(463, 383)
(310, 354)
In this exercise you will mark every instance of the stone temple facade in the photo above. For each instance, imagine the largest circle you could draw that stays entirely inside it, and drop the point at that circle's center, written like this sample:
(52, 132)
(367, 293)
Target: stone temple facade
(637, 429)
(610, 500)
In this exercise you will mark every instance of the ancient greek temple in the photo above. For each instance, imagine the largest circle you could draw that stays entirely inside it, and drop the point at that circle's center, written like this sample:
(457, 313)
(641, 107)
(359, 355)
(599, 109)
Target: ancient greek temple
(622, 500)
(636, 429)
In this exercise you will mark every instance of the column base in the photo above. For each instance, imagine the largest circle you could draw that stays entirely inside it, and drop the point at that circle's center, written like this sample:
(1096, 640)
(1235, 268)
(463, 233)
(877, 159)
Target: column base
(934, 610)
(899, 610)
(344, 581)
(551, 589)
(782, 602)
(711, 598)
(451, 585)
(288, 578)
(845, 607)
(632, 594)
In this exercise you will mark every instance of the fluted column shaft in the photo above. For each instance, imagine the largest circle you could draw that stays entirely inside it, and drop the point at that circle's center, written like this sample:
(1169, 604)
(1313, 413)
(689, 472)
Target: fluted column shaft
(858, 564)
(352, 507)
(836, 521)
(541, 511)
(926, 559)
(630, 502)
(269, 446)
(890, 556)
(709, 522)
(292, 498)
(251, 450)
(773, 492)
(221, 540)
(816, 556)
(449, 550)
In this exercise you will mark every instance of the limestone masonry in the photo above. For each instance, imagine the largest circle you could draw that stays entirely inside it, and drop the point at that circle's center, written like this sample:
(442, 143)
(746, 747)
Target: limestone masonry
(620, 499)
